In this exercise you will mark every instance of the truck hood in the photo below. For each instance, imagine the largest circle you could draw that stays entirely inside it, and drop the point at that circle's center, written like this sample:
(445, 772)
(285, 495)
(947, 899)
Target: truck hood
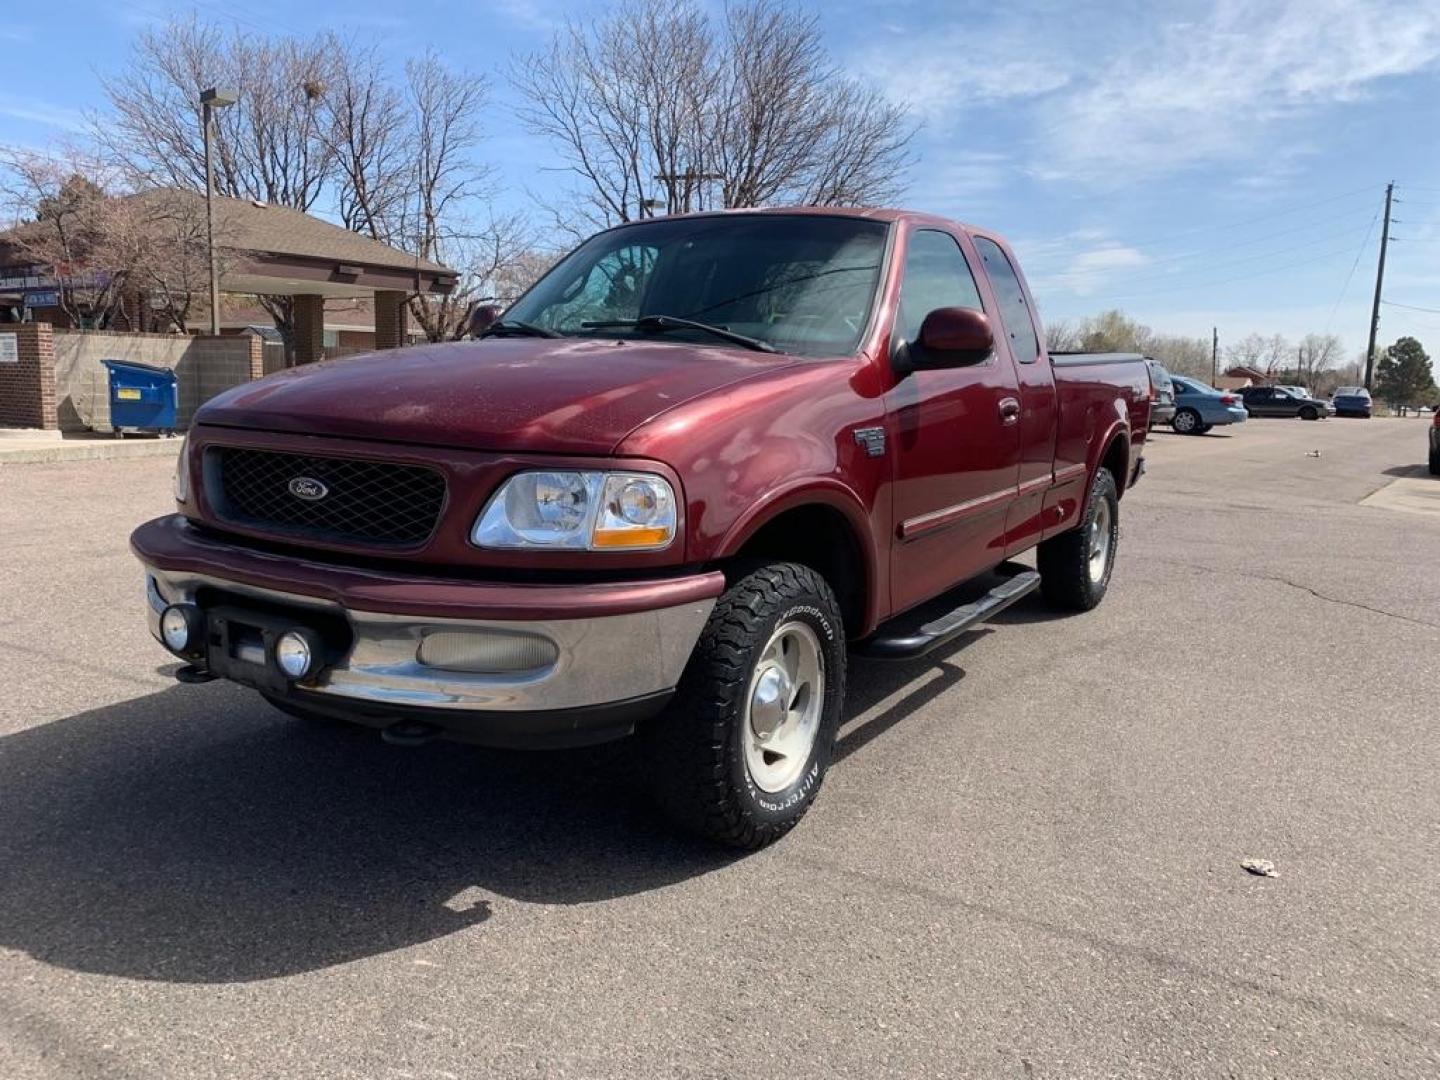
(506, 394)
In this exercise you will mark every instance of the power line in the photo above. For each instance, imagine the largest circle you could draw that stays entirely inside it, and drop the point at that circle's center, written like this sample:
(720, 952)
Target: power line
(1411, 307)
(1226, 281)
(1260, 217)
(1353, 266)
(1224, 263)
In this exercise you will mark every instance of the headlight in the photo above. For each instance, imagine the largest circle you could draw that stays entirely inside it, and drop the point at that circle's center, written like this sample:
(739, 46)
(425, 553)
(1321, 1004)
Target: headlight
(579, 511)
(182, 471)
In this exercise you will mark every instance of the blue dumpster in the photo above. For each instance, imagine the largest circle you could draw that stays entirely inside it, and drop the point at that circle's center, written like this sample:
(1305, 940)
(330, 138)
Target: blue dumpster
(142, 397)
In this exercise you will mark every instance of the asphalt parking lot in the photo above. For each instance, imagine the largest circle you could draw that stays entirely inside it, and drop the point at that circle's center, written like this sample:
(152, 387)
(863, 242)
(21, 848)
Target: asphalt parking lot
(1026, 862)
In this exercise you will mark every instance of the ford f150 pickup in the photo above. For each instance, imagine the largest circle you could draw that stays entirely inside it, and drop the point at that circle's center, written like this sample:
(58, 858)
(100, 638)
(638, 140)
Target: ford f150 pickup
(665, 494)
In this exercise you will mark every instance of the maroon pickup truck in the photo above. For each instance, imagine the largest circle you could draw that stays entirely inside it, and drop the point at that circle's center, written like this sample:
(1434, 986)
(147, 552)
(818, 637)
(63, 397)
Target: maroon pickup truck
(667, 493)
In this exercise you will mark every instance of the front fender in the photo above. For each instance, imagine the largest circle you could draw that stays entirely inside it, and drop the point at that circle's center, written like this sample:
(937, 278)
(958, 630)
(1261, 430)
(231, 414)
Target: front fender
(835, 495)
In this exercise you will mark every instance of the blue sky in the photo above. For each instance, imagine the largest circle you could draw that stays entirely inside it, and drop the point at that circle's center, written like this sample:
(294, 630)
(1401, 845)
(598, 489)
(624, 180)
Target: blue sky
(1194, 164)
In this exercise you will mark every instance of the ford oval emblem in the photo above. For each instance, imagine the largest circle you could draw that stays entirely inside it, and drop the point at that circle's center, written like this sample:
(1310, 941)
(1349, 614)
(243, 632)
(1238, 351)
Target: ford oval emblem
(308, 488)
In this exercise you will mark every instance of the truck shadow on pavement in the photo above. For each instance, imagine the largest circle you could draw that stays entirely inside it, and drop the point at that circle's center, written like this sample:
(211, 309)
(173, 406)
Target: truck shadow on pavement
(195, 835)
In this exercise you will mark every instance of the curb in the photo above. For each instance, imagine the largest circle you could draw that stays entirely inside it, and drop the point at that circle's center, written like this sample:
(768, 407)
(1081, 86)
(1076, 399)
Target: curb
(39, 453)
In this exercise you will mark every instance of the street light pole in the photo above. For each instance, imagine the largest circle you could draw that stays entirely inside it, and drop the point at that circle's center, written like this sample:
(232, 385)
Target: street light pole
(210, 100)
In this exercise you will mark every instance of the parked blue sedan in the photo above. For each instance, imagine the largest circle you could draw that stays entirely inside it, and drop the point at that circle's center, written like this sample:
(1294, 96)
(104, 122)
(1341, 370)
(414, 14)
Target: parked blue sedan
(1198, 407)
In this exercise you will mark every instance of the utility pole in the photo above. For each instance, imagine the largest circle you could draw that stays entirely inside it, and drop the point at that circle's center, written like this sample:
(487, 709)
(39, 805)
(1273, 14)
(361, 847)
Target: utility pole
(1379, 284)
(210, 100)
(1214, 354)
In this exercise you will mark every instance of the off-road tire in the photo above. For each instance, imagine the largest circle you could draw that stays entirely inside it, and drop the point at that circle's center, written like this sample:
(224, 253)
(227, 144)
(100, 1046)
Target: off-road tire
(693, 749)
(1064, 560)
(1186, 422)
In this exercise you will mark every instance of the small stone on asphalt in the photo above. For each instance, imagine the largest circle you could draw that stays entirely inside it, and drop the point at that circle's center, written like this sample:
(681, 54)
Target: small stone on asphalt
(1261, 867)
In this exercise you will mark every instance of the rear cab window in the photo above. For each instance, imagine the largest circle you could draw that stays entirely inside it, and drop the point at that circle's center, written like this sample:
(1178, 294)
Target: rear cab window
(1015, 315)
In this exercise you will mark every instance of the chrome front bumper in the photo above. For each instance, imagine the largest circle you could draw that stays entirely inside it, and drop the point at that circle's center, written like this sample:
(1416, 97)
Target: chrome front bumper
(596, 661)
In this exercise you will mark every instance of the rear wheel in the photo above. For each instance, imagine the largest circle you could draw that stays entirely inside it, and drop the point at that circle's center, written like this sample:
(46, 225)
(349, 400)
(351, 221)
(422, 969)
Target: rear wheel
(1075, 566)
(1434, 462)
(1186, 421)
(740, 753)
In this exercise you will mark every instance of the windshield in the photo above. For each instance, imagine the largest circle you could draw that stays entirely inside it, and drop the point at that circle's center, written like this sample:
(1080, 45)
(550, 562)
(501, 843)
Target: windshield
(801, 283)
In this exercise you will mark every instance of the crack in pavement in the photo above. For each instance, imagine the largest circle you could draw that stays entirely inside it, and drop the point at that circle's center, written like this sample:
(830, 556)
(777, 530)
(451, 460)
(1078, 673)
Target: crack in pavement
(1155, 956)
(1294, 585)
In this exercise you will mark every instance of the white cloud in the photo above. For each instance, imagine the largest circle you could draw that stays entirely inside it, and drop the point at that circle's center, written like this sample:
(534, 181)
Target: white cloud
(1111, 93)
(1218, 88)
(1080, 263)
(950, 181)
(530, 14)
(951, 70)
(41, 112)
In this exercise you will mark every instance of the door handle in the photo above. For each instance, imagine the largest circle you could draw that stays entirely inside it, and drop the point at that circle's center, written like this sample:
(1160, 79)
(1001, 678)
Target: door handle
(1009, 410)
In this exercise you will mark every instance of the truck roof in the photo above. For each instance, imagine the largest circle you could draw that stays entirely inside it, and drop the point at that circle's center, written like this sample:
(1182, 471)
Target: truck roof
(873, 213)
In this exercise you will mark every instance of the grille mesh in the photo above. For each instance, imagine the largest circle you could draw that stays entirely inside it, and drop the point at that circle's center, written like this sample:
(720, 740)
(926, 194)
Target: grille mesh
(372, 502)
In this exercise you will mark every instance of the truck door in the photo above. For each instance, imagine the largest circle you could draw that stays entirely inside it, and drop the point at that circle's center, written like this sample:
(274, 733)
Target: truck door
(1039, 408)
(957, 445)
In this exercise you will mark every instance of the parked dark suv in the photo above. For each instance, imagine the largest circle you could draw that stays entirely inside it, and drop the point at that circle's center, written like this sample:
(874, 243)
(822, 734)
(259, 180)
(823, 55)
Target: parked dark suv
(1278, 401)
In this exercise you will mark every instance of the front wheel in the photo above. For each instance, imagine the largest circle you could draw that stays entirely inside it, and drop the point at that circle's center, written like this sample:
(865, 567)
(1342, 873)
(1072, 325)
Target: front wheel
(1075, 566)
(1435, 462)
(1186, 421)
(1309, 413)
(739, 754)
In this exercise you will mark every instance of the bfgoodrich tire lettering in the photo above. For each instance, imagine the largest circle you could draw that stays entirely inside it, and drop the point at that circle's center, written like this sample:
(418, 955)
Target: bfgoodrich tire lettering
(1075, 566)
(697, 749)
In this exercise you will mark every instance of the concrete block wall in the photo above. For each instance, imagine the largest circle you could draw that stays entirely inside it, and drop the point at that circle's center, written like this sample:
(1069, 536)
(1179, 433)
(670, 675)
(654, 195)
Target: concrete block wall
(204, 366)
(27, 388)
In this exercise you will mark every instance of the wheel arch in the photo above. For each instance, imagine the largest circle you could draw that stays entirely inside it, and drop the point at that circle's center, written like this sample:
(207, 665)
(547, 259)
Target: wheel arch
(825, 528)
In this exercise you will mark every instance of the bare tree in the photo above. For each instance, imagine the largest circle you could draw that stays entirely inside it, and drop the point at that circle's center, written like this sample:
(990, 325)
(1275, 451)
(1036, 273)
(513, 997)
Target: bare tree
(320, 123)
(1061, 336)
(369, 139)
(1249, 351)
(273, 145)
(137, 260)
(73, 232)
(443, 182)
(1315, 357)
(656, 106)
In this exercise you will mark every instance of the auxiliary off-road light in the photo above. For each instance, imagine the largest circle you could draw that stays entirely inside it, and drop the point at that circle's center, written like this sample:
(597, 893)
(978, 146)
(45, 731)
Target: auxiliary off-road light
(182, 628)
(297, 654)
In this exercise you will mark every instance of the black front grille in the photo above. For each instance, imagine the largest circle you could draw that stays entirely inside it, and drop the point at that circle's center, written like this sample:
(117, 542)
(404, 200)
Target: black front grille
(351, 499)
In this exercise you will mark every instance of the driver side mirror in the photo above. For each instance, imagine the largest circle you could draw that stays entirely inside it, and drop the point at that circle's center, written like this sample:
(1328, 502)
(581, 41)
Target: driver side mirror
(952, 337)
(482, 317)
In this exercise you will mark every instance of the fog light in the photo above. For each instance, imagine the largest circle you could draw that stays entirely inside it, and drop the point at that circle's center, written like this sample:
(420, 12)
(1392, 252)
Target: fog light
(182, 628)
(297, 654)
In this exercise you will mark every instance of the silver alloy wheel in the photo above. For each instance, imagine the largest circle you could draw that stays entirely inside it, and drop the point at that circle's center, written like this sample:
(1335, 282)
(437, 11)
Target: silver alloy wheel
(1184, 421)
(1100, 541)
(783, 705)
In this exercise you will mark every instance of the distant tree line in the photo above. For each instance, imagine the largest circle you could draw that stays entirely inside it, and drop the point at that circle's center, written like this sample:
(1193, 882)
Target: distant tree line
(1403, 374)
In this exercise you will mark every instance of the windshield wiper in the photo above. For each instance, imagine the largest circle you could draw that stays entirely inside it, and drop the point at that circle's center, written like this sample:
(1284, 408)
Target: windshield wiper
(520, 329)
(656, 324)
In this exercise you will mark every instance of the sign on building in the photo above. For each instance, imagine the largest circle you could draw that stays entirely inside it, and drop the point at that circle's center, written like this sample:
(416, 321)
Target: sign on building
(9, 348)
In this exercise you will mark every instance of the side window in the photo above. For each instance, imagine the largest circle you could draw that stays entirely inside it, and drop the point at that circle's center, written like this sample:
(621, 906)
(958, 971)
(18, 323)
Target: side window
(936, 276)
(612, 290)
(1014, 312)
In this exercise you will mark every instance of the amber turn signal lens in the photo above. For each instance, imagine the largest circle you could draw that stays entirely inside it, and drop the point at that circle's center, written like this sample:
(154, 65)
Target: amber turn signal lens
(629, 538)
